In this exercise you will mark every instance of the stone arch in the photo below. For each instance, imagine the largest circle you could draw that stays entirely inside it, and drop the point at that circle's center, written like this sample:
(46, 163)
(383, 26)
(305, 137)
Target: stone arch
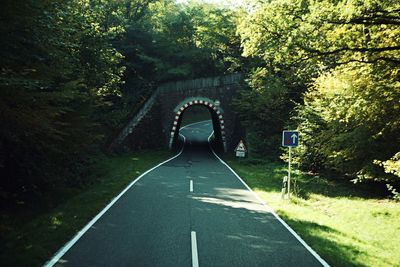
(216, 113)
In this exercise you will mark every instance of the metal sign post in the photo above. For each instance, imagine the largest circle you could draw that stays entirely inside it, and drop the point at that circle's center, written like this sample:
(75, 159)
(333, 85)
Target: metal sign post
(289, 171)
(289, 139)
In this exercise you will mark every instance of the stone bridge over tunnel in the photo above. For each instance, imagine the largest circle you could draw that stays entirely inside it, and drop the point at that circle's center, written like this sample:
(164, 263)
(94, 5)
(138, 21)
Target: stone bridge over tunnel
(158, 122)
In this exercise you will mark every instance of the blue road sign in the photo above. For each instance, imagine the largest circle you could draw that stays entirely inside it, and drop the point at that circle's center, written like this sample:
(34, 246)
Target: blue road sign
(290, 138)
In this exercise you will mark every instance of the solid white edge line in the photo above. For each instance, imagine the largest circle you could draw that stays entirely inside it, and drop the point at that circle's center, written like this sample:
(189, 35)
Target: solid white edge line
(75, 239)
(195, 256)
(315, 254)
(194, 123)
(191, 185)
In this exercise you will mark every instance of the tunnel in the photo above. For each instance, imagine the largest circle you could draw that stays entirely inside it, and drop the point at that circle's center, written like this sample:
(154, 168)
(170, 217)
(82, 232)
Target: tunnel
(216, 115)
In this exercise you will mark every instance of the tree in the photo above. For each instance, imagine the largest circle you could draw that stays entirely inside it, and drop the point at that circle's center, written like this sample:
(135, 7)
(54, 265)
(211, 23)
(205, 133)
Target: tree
(344, 57)
(83, 67)
(55, 76)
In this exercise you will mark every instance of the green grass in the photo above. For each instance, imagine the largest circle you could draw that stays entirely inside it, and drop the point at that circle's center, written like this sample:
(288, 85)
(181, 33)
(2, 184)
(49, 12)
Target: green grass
(32, 233)
(345, 224)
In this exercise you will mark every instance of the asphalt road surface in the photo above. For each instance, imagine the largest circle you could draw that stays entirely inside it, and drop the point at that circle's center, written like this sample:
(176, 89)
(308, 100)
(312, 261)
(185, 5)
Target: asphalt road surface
(190, 211)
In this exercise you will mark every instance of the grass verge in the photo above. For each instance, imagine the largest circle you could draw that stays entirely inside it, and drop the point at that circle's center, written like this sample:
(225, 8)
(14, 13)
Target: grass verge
(32, 233)
(344, 224)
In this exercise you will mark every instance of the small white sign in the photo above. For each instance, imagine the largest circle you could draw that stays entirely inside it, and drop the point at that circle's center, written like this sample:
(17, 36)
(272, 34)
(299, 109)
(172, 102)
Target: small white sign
(241, 147)
(240, 154)
(240, 150)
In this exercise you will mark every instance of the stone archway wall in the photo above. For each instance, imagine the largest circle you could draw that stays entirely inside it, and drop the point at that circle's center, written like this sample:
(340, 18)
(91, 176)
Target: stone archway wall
(158, 121)
(210, 105)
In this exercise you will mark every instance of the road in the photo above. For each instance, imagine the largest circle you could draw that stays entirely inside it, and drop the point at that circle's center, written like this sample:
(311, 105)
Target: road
(190, 211)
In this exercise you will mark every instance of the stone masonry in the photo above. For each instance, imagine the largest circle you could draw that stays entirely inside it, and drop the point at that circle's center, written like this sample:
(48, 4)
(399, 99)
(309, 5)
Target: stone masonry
(157, 123)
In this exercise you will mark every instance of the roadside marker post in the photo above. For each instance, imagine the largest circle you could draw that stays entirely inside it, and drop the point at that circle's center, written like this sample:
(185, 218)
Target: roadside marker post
(289, 139)
(284, 186)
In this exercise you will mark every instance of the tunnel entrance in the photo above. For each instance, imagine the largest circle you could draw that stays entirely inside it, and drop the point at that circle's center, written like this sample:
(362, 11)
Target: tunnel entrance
(195, 114)
(198, 109)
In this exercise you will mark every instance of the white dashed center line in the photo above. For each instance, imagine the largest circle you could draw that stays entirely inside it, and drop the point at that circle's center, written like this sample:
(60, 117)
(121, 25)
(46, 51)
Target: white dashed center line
(195, 258)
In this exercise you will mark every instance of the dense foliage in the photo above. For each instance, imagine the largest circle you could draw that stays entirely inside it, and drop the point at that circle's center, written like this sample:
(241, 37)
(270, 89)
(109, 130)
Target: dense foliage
(343, 58)
(173, 41)
(72, 72)
(57, 68)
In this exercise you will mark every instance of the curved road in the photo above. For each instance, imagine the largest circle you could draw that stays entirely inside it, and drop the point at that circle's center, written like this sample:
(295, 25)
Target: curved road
(190, 211)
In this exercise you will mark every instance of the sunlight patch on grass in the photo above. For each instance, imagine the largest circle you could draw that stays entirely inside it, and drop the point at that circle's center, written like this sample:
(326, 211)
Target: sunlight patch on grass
(341, 222)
